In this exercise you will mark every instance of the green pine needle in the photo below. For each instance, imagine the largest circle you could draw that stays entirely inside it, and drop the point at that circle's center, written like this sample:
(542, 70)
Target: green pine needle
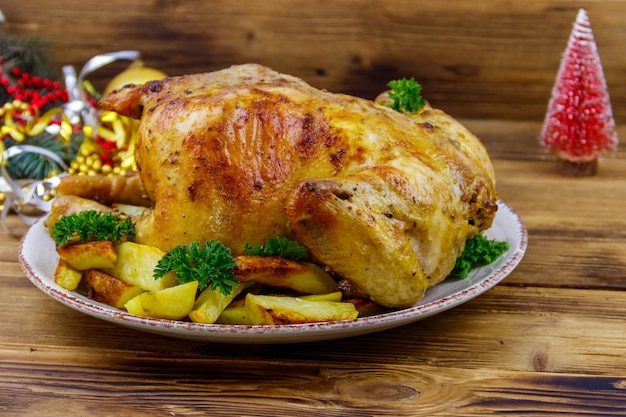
(34, 166)
(29, 55)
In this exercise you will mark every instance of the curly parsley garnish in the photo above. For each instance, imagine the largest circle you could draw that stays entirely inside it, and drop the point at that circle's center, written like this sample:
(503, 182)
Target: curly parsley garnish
(478, 251)
(92, 225)
(210, 264)
(406, 95)
(278, 246)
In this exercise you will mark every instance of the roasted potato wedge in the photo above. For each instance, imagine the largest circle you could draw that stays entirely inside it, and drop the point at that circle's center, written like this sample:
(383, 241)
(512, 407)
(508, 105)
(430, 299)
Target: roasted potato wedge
(89, 255)
(331, 296)
(135, 265)
(173, 303)
(234, 315)
(66, 276)
(107, 289)
(267, 309)
(301, 277)
(210, 303)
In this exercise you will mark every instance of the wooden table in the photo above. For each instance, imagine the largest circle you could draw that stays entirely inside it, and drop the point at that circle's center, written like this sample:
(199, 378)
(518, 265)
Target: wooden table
(549, 339)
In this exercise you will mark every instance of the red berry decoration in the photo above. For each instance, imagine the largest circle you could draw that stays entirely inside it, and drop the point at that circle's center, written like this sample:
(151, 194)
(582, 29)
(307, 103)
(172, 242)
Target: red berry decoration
(579, 126)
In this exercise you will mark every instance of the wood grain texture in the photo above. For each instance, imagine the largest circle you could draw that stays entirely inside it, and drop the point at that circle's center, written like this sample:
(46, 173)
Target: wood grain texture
(479, 59)
(549, 340)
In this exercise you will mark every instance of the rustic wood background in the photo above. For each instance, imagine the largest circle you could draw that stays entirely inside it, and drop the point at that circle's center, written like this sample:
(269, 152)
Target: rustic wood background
(475, 59)
(549, 339)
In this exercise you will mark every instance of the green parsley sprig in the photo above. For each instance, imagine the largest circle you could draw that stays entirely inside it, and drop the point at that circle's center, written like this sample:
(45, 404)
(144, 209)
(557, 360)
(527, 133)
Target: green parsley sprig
(210, 264)
(406, 95)
(278, 246)
(92, 225)
(478, 251)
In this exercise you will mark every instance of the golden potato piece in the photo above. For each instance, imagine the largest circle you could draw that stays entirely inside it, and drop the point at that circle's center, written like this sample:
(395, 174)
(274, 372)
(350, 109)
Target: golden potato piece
(267, 309)
(331, 296)
(173, 303)
(237, 313)
(89, 255)
(135, 265)
(109, 290)
(66, 276)
(302, 277)
(210, 304)
(234, 315)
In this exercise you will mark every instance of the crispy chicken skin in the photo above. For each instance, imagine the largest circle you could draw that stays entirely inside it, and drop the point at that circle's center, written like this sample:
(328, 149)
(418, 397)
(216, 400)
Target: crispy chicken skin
(383, 199)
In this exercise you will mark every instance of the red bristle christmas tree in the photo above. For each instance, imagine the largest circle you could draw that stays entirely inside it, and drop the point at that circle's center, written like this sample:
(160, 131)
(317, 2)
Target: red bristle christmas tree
(579, 126)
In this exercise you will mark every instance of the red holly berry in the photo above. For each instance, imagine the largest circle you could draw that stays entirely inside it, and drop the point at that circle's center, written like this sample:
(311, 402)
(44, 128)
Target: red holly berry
(579, 125)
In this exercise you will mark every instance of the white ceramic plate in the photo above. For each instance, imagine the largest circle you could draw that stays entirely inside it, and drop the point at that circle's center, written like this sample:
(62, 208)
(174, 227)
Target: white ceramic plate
(38, 259)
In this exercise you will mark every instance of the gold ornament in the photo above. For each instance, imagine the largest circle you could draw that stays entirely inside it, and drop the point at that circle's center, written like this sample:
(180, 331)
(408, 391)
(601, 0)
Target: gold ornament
(137, 74)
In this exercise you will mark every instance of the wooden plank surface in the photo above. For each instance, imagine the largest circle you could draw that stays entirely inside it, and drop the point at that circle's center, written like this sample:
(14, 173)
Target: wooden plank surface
(471, 358)
(479, 59)
(549, 340)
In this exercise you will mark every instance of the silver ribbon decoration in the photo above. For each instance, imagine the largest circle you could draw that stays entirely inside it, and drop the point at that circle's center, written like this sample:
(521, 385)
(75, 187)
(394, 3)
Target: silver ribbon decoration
(31, 199)
(77, 107)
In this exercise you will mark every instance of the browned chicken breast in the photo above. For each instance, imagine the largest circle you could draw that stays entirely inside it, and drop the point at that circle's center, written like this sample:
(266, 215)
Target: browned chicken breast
(383, 199)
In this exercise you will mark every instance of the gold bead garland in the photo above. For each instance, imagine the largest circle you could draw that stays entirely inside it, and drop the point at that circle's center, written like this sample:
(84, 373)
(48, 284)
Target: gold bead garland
(118, 133)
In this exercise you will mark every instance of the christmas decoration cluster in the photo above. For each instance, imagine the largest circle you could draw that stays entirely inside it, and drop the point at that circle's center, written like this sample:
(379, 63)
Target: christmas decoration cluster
(49, 125)
(33, 112)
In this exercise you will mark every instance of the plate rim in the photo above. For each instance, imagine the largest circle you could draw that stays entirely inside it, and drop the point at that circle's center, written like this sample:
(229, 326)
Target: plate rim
(274, 333)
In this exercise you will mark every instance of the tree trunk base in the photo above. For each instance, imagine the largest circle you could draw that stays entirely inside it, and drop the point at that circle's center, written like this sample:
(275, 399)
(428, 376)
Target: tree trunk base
(577, 168)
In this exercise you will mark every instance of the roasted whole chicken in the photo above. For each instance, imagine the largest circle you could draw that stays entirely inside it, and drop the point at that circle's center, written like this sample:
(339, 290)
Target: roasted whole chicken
(385, 200)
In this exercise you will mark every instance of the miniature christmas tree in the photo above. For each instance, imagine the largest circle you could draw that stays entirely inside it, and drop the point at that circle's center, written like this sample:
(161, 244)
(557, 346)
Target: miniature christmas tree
(579, 126)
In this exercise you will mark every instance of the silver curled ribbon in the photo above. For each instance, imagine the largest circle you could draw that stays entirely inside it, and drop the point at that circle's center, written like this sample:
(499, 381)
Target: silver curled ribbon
(77, 107)
(31, 199)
